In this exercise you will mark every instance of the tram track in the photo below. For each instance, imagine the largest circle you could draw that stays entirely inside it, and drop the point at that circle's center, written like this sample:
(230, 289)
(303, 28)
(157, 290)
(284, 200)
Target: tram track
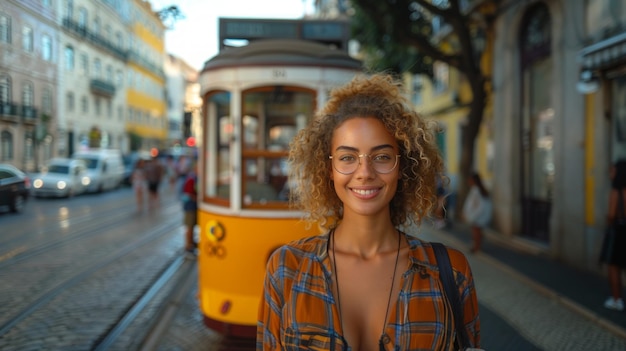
(93, 228)
(178, 269)
(85, 273)
(52, 227)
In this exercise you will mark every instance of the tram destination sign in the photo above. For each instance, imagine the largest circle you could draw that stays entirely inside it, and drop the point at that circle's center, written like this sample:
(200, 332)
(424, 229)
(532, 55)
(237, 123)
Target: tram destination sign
(326, 31)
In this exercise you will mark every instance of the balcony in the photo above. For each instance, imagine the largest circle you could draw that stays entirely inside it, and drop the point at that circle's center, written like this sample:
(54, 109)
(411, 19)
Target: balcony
(11, 112)
(94, 39)
(29, 114)
(102, 88)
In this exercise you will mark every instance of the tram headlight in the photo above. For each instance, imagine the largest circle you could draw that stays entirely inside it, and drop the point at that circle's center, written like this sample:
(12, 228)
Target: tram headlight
(61, 185)
(37, 183)
(85, 181)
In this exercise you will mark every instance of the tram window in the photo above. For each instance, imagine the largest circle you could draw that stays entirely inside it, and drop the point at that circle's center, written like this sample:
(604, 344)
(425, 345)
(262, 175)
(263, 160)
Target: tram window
(250, 131)
(266, 180)
(271, 118)
(219, 134)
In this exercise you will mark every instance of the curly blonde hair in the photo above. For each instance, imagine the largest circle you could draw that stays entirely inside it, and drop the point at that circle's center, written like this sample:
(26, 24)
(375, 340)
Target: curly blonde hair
(421, 166)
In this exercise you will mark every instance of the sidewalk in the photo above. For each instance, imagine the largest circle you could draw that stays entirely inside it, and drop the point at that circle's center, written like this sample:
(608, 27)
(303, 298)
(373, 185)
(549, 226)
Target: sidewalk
(548, 302)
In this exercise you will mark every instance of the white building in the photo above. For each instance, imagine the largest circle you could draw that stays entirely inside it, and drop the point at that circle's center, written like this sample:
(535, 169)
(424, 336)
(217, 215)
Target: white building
(28, 79)
(91, 96)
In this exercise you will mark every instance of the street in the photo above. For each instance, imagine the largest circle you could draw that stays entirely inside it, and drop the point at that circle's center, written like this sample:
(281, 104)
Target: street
(72, 271)
(87, 273)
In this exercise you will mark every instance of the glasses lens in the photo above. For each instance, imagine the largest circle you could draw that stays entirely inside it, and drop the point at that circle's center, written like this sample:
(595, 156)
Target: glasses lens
(348, 163)
(384, 162)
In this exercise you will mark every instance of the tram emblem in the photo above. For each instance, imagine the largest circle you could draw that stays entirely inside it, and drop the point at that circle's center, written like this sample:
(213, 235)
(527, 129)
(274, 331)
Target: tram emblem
(215, 233)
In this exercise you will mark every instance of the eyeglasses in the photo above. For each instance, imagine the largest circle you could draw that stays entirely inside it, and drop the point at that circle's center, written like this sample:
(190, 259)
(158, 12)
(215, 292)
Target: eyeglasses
(348, 162)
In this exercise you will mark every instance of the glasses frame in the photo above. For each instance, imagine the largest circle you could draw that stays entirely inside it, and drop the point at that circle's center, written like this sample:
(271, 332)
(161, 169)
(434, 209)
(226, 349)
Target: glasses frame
(330, 157)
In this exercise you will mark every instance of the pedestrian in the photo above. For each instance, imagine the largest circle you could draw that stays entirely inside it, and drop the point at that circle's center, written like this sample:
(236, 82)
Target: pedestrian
(190, 209)
(183, 166)
(363, 170)
(154, 174)
(138, 180)
(615, 253)
(440, 209)
(170, 171)
(477, 209)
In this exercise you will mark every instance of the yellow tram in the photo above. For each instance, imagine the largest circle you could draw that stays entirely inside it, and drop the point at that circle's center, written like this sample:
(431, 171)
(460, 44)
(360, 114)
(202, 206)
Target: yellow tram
(255, 98)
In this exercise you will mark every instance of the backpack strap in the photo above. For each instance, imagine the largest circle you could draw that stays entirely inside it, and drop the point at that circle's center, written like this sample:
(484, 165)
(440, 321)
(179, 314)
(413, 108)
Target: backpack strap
(451, 293)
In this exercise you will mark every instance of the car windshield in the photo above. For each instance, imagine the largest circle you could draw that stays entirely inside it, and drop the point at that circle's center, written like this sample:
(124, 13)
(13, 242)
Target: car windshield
(92, 163)
(58, 169)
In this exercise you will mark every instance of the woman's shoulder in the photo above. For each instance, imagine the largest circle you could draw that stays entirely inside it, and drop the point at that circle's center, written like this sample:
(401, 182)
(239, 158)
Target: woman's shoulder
(422, 250)
(308, 247)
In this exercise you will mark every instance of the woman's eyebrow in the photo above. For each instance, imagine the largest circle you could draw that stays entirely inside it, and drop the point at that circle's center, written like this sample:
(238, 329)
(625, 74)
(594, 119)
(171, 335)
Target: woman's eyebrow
(375, 148)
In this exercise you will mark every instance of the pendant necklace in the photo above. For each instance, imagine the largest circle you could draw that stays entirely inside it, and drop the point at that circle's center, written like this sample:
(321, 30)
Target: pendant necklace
(381, 344)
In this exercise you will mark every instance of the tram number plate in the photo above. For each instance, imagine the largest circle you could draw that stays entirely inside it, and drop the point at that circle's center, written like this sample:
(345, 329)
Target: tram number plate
(279, 73)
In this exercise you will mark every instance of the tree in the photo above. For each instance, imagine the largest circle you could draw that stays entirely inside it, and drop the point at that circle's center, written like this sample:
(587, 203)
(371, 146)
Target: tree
(397, 35)
(169, 15)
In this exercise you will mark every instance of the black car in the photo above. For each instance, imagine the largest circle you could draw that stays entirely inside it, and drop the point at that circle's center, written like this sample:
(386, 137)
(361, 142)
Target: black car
(14, 188)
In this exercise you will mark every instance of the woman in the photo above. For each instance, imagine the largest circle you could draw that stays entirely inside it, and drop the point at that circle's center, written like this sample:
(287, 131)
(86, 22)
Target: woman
(477, 209)
(616, 217)
(138, 179)
(364, 168)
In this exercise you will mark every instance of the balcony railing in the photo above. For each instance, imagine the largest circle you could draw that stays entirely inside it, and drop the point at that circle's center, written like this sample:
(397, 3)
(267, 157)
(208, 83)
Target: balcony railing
(101, 87)
(14, 112)
(93, 38)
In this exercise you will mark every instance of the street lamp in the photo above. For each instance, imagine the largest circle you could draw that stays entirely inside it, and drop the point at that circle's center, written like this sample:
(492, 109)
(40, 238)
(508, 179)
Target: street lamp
(588, 82)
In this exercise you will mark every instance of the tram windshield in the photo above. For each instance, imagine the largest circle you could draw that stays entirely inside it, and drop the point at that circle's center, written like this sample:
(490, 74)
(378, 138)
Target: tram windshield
(271, 117)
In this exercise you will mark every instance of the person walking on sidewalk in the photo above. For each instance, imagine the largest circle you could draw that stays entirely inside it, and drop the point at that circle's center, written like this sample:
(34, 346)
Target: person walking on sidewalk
(154, 174)
(138, 180)
(477, 209)
(190, 209)
(616, 253)
(363, 169)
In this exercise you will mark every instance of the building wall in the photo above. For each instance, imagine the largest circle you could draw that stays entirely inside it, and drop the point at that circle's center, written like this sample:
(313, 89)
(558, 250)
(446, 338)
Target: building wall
(604, 56)
(146, 106)
(31, 132)
(567, 233)
(96, 34)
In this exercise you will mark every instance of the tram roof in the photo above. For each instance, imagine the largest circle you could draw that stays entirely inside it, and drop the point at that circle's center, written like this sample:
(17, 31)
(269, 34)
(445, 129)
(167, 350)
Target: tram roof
(283, 52)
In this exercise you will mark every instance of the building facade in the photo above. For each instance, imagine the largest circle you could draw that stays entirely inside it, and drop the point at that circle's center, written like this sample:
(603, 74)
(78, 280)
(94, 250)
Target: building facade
(553, 123)
(183, 103)
(145, 95)
(554, 139)
(29, 42)
(92, 68)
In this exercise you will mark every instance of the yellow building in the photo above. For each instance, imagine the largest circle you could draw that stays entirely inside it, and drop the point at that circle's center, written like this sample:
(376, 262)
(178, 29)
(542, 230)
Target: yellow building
(146, 114)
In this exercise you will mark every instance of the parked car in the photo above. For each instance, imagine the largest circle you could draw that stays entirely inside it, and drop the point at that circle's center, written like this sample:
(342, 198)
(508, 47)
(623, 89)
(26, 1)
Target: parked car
(14, 188)
(105, 168)
(61, 177)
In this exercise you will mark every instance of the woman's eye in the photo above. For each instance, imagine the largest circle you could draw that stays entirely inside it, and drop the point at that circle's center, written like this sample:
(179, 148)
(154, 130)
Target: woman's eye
(347, 158)
(382, 157)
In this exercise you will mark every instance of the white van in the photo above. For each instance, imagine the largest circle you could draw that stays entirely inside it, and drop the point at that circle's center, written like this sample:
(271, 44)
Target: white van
(105, 168)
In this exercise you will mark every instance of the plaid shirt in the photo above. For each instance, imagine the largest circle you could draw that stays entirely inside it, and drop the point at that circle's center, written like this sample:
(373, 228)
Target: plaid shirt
(298, 310)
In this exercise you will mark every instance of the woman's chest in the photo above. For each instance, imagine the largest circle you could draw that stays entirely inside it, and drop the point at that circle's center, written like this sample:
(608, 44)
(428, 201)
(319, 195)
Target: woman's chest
(418, 318)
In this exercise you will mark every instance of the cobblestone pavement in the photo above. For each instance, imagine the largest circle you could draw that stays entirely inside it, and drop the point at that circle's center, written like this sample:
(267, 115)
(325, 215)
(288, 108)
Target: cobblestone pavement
(536, 311)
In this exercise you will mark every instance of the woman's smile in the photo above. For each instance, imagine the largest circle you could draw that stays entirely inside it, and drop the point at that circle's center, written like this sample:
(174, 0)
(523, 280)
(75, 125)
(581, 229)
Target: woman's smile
(367, 192)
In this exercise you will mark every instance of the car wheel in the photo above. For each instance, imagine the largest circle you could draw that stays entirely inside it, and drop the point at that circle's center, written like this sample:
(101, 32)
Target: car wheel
(18, 203)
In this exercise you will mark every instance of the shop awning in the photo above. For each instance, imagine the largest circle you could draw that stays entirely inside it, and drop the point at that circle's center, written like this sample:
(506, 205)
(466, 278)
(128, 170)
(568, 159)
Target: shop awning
(605, 53)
